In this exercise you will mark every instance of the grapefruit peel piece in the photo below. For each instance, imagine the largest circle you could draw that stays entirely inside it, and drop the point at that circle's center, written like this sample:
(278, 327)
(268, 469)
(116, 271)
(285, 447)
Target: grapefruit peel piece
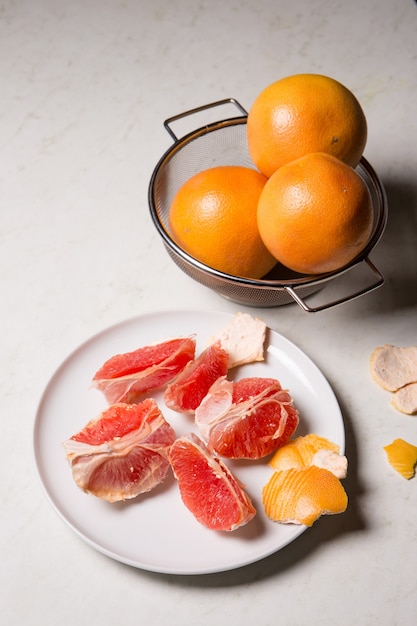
(308, 450)
(306, 482)
(402, 456)
(405, 399)
(243, 338)
(302, 495)
(393, 367)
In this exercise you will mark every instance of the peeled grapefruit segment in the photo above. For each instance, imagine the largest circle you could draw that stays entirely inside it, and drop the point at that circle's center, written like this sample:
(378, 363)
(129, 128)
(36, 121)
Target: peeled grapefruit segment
(301, 496)
(249, 418)
(125, 377)
(123, 452)
(208, 489)
(188, 389)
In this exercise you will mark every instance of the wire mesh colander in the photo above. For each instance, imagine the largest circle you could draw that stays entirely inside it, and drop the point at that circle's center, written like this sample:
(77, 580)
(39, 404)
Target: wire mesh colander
(223, 142)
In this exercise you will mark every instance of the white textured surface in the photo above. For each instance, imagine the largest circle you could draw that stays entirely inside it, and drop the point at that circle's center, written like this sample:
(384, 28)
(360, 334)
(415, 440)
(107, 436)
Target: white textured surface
(85, 87)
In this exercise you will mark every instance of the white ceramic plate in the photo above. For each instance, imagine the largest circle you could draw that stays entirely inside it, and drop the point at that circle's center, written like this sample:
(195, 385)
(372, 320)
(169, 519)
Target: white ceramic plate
(155, 531)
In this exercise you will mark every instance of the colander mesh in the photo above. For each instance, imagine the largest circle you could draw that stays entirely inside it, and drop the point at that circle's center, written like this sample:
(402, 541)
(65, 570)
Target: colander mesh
(223, 146)
(235, 291)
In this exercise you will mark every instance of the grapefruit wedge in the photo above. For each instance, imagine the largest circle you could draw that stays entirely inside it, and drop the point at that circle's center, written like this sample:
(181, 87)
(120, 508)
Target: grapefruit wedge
(123, 452)
(188, 389)
(126, 377)
(248, 419)
(207, 487)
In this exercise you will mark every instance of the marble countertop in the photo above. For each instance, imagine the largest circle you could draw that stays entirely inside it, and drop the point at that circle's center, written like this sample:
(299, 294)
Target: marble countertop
(85, 88)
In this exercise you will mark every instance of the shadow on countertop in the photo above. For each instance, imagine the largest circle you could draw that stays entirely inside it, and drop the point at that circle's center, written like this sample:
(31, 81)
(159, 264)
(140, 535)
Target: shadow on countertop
(396, 253)
(395, 256)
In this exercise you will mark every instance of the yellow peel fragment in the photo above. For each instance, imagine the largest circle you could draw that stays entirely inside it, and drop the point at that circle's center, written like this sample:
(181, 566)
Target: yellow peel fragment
(403, 457)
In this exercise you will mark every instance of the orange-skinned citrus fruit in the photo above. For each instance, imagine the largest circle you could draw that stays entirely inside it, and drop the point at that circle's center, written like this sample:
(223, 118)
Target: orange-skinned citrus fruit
(315, 214)
(213, 217)
(305, 113)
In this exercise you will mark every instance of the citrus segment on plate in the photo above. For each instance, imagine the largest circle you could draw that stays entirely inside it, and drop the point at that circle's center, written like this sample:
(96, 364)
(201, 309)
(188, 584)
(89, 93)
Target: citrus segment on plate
(208, 488)
(126, 377)
(247, 418)
(122, 453)
(187, 390)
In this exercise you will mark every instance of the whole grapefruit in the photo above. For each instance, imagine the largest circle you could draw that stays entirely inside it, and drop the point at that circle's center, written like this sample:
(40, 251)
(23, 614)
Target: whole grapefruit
(305, 113)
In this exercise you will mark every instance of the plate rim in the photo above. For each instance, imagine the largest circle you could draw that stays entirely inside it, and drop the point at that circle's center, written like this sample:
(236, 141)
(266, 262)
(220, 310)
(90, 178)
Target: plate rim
(89, 540)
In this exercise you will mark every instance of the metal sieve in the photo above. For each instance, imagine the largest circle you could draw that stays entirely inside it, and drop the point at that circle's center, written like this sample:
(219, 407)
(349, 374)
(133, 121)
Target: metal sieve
(223, 142)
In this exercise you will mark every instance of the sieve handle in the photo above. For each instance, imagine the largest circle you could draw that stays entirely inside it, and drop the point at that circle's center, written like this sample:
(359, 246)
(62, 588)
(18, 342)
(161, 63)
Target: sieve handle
(374, 285)
(200, 109)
